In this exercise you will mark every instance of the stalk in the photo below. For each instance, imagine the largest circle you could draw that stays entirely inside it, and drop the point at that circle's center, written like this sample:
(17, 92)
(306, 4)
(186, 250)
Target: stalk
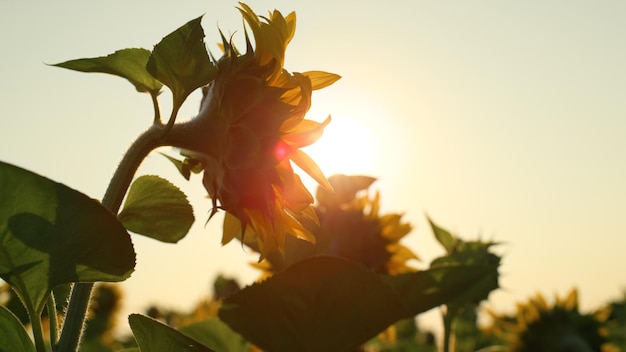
(120, 182)
(185, 135)
(447, 330)
(40, 344)
(54, 320)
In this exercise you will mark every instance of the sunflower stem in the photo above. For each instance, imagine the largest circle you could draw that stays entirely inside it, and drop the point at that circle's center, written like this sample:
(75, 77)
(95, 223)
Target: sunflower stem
(447, 329)
(120, 182)
(35, 322)
(53, 319)
(157, 110)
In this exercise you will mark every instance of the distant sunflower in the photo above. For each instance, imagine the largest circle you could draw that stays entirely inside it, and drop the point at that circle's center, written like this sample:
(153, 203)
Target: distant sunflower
(350, 227)
(540, 327)
(250, 128)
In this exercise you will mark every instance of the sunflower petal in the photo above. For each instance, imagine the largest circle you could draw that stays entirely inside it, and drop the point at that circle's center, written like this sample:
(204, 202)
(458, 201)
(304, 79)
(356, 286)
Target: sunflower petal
(308, 165)
(231, 228)
(306, 133)
(321, 79)
(296, 228)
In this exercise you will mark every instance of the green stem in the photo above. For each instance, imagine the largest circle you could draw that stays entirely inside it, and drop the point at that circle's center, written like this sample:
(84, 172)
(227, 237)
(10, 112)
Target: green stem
(112, 200)
(157, 110)
(447, 330)
(54, 320)
(35, 322)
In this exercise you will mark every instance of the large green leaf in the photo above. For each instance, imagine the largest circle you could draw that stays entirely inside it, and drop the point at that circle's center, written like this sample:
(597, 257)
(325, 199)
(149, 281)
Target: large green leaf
(152, 335)
(51, 234)
(13, 336)
(318, 304)
(217, 335)
(156, 208)
(426, 289)
(126, 63)
(181, 61)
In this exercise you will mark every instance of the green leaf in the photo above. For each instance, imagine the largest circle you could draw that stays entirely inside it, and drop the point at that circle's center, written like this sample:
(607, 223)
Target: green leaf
(181, 61)
(180, 165)
(447, 240)
(152, 335)
(474, 253)
(51, 234)
(426, 289)
(156, 208)
(12, 334)
(318, 304)
(217, 335)
(126, 63)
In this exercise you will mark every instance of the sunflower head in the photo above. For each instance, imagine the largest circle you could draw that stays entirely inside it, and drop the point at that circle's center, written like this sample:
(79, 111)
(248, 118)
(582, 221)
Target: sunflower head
(252, 128)
(539, 326)
(350, 227)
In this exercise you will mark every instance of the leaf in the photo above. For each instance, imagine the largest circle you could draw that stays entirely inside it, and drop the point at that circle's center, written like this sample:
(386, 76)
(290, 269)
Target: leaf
(126, 63)
(182, 167)
(152, 335)
(186, 166)
(156, 208)
(217, 335)
(51, 234)
(447, 240)
(12, 333)
(181, 61)
(423, 290)
(318, 304)
(474, 253)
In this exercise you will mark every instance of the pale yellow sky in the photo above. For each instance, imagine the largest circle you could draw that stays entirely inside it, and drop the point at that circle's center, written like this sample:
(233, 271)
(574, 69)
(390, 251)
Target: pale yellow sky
(504, 119)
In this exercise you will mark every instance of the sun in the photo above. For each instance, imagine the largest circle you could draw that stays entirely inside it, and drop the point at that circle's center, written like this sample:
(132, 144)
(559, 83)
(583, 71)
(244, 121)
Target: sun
(346, 147)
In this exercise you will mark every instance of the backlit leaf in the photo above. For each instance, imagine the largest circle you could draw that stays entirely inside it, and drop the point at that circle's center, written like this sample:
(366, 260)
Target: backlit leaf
(156, 208)
(126, 63)
(318, 304)
(426, 289)
(13, 336)
(152, 335)
(51, 234)
(181, 61)
(216, 335)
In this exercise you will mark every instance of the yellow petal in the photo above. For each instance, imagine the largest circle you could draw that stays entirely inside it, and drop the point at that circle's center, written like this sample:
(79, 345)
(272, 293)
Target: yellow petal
(321, 79)
(291, 26)
(308, 165)
(310, 213)
(306, 133)
(231, 228)
(295, 194)
(571, 301)
(402, 253)
(295, 228)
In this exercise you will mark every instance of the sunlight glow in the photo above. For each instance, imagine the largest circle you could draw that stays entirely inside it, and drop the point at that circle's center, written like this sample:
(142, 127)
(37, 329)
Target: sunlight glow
(347, 146)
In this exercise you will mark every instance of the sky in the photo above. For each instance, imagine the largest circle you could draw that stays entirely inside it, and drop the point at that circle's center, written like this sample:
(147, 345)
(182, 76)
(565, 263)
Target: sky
(500, 120)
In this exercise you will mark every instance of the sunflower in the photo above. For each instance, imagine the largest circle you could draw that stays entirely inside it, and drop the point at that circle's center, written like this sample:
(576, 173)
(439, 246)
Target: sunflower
(250, 129)
(350, 227)
(537, 326)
